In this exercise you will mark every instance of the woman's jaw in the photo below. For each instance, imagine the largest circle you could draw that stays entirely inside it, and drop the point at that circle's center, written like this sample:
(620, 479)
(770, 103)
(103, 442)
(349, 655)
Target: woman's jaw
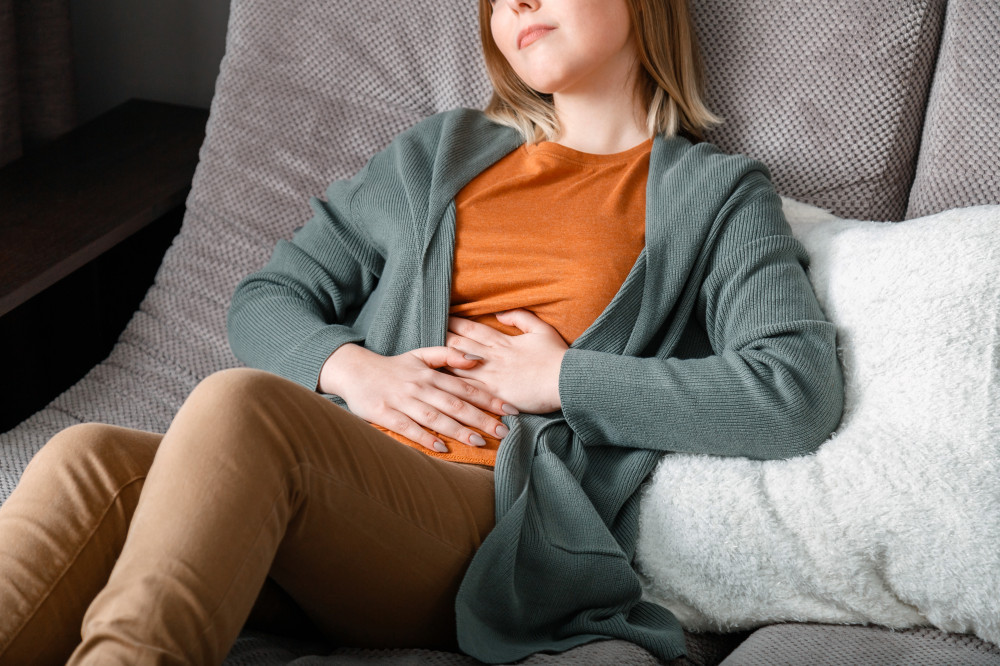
(582, 52)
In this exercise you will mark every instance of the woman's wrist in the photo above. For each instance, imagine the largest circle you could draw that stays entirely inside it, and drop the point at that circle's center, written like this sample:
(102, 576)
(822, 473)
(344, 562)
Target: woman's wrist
(338, 367)
(555, 381)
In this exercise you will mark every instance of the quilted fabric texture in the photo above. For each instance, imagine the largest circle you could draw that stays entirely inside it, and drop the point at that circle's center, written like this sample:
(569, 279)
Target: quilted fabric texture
(822, 645)
(959, 161)
(254, 648)
(260, 649)
(830, 95)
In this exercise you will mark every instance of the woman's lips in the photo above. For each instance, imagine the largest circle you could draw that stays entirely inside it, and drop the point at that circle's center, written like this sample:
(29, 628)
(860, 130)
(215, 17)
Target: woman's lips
(531, 34)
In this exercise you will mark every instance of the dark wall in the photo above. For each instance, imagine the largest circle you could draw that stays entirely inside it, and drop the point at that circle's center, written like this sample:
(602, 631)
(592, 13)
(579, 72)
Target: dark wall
(165, 51)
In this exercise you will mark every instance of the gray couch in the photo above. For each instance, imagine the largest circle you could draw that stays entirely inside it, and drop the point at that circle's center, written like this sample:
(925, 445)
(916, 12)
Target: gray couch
(875, 110)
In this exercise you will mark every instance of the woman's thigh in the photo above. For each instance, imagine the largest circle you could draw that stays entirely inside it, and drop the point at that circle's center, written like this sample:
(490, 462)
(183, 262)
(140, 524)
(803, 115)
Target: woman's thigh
(259, 476)
(376, 553)
(61, 531)
(376, 535)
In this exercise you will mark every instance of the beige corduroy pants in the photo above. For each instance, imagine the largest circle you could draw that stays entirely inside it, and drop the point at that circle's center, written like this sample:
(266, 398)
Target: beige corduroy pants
(155, 549)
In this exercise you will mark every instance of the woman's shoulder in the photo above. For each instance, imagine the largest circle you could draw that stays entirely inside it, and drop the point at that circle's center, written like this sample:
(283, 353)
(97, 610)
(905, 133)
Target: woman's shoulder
(459, 127)
(703, 159)
(442, 151)
(680, 166)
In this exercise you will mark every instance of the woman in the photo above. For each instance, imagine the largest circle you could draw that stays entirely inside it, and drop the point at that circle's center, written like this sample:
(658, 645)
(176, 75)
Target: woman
(615, 292)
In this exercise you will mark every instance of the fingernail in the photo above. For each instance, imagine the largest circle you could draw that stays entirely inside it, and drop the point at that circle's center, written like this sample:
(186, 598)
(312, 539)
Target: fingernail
(510, 409)
(440, 447)
(473, 357)
(502, 431)
(477, 440)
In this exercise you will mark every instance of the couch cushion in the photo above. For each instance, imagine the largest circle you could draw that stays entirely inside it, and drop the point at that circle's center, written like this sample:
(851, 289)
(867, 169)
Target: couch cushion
(959, 162)
(256, 649)
(817, 645)
(830, 95)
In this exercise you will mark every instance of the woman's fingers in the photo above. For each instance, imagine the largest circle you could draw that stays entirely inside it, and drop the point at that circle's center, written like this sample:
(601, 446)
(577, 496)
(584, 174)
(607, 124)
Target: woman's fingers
(471, 391)
(465, 413)
(452, 406)
(441, 413)
(523, 368)
(479, 394)
(439, 357)
(525, 320)
(401, 424)
(409, 396)
(475, 331)
(467, 346)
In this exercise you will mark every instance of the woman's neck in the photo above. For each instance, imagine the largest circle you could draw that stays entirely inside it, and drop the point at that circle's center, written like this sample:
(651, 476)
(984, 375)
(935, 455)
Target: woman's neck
(600, 123)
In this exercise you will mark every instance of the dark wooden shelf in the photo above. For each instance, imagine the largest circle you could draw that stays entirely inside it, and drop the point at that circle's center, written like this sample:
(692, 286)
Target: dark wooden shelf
(68, 203)
(84, 224)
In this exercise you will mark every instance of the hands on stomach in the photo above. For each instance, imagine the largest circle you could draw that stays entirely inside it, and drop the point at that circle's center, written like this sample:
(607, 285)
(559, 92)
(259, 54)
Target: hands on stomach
(486, 374)
(407, 395)
(523, 370)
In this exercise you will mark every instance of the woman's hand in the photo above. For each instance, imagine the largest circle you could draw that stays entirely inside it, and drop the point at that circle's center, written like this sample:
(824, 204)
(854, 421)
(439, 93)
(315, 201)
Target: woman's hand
(522, 370)
(406, 395)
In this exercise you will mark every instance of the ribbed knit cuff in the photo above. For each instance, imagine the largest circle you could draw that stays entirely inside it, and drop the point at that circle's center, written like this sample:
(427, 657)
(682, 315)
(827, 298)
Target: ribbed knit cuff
(303, 363)
(583, 383)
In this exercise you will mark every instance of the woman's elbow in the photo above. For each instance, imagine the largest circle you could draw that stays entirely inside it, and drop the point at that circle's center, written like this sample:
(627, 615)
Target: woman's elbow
(815, 409)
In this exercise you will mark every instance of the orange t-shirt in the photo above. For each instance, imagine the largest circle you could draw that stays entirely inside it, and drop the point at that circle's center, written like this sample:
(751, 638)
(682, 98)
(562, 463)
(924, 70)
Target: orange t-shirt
(549, 229)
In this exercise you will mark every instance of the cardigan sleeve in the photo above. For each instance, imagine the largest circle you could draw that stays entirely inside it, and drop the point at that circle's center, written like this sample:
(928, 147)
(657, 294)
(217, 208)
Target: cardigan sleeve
(291, 315)
(771, 386)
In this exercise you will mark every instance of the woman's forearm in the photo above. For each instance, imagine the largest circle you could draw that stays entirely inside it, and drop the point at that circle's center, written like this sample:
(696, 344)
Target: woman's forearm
(778, 398)
(287, 317)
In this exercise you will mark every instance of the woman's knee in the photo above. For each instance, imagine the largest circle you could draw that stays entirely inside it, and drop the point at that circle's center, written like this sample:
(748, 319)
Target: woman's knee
(235, 389)
(260, 418)
(114, 453)
(237, 412)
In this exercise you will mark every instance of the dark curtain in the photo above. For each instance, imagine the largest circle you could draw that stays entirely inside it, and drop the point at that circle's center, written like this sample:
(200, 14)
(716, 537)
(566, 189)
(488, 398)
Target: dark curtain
(37, 92)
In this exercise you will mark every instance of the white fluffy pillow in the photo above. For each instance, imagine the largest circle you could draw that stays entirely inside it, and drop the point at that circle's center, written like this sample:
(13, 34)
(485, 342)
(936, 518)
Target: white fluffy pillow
(896, 519)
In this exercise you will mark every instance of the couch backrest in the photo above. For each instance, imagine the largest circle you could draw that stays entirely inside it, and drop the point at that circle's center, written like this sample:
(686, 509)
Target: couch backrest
(959, 162)
(830, 95)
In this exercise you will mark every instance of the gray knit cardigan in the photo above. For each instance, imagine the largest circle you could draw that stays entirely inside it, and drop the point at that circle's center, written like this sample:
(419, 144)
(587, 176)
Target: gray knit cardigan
(715, 344)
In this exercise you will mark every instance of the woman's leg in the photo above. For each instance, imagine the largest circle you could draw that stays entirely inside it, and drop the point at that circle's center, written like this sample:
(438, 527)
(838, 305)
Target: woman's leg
(60, 533)
(256, 475)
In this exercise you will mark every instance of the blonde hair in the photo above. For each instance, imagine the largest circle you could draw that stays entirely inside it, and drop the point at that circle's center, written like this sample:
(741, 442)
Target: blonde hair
(669, 86)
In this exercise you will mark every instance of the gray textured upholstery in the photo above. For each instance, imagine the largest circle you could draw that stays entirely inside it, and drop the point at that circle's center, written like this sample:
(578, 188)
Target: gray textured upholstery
(254, 648)
(309, 89)
(828, 645)
(830, 95)
(959, 161)
(262, 650)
